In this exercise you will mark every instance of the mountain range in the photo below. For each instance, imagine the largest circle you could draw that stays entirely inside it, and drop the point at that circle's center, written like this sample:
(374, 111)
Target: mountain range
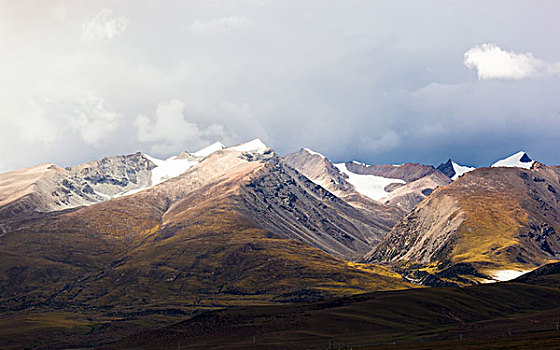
(133, 242)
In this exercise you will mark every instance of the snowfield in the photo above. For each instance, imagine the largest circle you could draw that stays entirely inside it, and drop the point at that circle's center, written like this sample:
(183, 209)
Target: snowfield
(507, 275)
(166, 169)
(371, 186)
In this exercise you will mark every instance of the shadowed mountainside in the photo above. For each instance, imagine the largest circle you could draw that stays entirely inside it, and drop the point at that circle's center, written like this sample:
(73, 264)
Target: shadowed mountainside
(429, 318)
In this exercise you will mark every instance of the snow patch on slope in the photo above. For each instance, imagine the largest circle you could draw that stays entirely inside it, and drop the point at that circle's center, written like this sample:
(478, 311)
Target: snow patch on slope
(507, 275)
(208, 150)
(371, 186)
(519, 159)
(166, 169)
(460, 170)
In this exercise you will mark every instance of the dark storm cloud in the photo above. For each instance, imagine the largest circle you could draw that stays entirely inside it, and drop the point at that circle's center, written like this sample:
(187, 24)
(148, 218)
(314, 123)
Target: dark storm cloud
(373, 81)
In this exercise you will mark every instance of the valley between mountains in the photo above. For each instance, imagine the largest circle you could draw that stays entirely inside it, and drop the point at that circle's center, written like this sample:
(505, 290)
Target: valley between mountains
(221, 245)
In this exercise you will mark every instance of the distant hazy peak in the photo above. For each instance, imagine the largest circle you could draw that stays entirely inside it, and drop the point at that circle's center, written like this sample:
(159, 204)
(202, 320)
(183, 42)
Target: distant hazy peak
(519, 159)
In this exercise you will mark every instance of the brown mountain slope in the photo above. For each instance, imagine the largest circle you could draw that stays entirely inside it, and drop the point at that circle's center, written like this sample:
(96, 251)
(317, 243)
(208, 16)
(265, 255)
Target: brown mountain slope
(202, 240)
(489, 219)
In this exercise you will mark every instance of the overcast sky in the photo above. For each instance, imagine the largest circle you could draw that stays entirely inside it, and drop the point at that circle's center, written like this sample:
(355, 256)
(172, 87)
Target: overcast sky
(375, 81)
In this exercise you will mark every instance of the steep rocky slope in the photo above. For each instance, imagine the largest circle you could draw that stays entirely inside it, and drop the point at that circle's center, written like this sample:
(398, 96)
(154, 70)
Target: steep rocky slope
(284, 201)
(324, 173)
(47, 187)
(406, 197)
(488, 220)
(399, 195)
(321, 171)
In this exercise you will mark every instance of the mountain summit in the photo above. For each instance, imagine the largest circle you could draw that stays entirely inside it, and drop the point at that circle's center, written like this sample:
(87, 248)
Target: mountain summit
(453, 170)
(519, 159)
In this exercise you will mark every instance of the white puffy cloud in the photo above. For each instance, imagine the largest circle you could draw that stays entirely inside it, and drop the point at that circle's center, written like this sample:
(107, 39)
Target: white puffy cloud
(221, 25)
(168, 130)
(491, 62)
(105, 26)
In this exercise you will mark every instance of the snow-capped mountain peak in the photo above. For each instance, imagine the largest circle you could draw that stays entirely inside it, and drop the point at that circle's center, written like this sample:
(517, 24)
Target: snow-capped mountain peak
(519, 159)
(310, 151)
(453, 170)
(175, 166)
(206, 151)
(253, 146)
(460, 170)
